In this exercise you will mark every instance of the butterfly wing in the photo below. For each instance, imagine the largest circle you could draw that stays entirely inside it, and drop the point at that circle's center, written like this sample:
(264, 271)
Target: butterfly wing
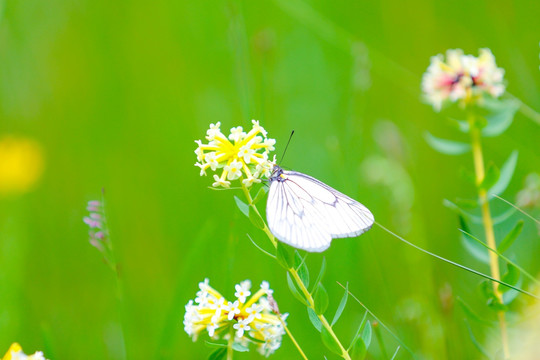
(306, 213)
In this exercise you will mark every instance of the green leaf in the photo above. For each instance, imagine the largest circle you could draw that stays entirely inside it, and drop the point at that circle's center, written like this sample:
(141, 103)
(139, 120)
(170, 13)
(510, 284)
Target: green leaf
(244, 208)
(452, 206)
(475, 342)
(510, 237)
(295, 291)
(360, 328)
(469, 312)
(320, 297)
(366, 334)
(341, 306)
(321, 274)
(215, 344)
(256, 218)
(492, 300)
(448, 147)
(218, 354)
(491, 177)
(461, 125)
(301, 268)
(504, 216)
(469, 204)
(478, 251)
(314, 319)
(358, 349)
(284, 256)
(501, 118)
(329, 341)
(239, 347)
(511, 277)
(260, 194)
(507, 171)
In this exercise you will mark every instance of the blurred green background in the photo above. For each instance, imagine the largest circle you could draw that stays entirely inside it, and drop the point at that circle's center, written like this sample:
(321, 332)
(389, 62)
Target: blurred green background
(115, 93)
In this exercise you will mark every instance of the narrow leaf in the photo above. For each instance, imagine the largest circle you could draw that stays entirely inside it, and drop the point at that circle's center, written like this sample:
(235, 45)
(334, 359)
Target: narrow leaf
(366, 334)
(284, 256)
(511, 276)
(295, 291)
(301, 268)
(358, 349)
(239, 347)
(500, 119)
(260, 194)
(215, 344)
(329, 341)
(218, 354)
(478, 251)
(507, 171)
(321, 299)
(342, 305)
(475, 342)
(255, 218)
(448, 147)
(491, 177)
(511, 237)
(395, 354)
(469, 312)
(260, 248)
(452, 206)
(244, 208)
(321, 274)
(314, 319)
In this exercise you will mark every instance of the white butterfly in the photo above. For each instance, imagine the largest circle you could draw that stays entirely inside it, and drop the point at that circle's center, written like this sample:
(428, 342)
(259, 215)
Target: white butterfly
(307, 214)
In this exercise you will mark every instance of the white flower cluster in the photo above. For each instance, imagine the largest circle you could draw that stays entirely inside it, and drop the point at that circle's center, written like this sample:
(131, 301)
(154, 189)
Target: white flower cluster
(15, 352)
(463, 78)
(241, 155)
(248, 319)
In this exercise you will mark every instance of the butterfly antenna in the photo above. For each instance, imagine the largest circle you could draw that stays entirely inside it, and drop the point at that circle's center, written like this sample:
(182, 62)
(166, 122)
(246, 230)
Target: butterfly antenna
(286, 146)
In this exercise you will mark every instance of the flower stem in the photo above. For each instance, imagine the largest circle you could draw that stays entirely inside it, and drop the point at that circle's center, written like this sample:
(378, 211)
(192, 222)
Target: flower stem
(292, 338)
(297, 280)
(229, 346)
(488, 224)
(311, 304)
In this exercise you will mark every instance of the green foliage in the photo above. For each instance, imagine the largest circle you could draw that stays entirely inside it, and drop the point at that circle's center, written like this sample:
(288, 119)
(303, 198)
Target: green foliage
(511, 237)
(329, 341)
(295, 291)
(314, 319)
(320, 296)
(500, 118)
(301, 267)
(218, 354)
(260, 194)
(507, 171)
(284, 256)
(447, 147)
(321, 274)
(342, 305)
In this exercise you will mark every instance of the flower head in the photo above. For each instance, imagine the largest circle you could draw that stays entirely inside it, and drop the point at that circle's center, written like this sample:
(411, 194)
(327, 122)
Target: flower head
(238, 156)
(15, 352)
(463, 78)
(21, 164)
(248, 318)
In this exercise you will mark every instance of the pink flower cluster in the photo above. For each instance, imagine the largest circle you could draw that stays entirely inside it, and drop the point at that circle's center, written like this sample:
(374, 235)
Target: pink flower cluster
(96, 221)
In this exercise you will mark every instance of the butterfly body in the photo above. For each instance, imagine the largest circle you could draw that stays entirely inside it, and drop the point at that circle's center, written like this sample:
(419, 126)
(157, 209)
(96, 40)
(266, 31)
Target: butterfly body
(307, 214)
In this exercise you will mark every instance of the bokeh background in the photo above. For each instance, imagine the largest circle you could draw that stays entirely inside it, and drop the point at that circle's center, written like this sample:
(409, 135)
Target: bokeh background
(113, 94)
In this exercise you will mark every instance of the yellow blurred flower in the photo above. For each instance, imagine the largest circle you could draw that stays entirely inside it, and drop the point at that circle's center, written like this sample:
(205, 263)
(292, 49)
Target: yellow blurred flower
(15, 352)
(21, 164)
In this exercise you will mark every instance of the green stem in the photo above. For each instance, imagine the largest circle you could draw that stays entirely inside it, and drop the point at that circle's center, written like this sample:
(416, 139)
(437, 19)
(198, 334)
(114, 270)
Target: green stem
(230, 343)
(292, 338)
(297, 280)
(526, 109)
(488, 223)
